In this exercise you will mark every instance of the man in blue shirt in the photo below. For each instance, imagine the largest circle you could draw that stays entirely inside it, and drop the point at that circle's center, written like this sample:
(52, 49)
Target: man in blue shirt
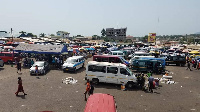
(151, 79)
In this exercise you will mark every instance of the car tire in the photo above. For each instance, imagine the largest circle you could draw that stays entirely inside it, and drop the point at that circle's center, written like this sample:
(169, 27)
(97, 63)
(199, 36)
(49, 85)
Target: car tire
(95, 81)
(130, 85)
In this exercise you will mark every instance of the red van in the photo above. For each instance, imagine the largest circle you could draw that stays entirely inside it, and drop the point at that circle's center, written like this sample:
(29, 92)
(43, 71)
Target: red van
(99, 102)
(9, 57)
(110, 59)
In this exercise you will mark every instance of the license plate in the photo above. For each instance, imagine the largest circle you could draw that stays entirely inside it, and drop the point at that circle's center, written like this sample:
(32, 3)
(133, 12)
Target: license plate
(67, 69)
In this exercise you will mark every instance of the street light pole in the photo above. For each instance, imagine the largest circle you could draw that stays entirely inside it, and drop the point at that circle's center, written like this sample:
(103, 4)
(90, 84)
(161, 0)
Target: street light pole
(11, 34)
(63, 37)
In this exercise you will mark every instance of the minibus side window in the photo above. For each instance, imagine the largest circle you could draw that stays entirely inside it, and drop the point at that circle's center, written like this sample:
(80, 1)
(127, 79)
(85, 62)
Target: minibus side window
(9, 55)
(118, 60)
(124, 71)
(105, 59)
(112, 59)
(113, 70)
(1, 54)
(95, 68)
(90, 67)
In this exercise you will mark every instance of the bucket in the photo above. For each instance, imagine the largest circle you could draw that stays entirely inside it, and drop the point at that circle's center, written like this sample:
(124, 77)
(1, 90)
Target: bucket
(123, 87)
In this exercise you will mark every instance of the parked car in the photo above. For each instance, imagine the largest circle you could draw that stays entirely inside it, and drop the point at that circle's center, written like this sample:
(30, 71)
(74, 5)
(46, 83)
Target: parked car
(43, 67)
(73, 63)
(1, 63)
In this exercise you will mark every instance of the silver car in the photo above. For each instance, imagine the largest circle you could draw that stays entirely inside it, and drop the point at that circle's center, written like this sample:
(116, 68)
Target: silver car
(43, 67)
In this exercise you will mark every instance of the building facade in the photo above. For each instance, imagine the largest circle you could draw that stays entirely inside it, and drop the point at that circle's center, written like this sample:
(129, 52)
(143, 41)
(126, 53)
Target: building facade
(63, 34)
(116, 34)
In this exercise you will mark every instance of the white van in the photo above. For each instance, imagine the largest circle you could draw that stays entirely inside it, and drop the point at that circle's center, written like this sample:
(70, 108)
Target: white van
(117, 53)
(116, 73)
(73, 63)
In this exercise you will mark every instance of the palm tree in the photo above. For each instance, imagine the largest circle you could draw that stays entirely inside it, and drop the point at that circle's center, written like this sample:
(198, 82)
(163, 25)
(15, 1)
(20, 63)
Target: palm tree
(42, 35)
(22, 32)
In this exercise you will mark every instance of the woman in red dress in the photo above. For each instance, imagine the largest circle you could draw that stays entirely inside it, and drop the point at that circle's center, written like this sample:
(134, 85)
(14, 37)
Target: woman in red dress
(20, 87)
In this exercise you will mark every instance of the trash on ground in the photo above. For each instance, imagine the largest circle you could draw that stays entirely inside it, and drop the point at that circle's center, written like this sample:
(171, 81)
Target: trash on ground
(170, 82)
(69, 80)
(167, 77)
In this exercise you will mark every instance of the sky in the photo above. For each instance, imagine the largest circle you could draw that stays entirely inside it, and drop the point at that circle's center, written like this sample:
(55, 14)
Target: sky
(89, 17)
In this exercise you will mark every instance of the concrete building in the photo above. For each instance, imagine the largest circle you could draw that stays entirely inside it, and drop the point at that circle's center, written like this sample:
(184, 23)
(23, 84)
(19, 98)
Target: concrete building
(63, 34)
(116, 34)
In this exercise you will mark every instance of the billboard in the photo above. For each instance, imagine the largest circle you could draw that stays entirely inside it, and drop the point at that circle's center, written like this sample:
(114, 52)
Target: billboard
(152, 37)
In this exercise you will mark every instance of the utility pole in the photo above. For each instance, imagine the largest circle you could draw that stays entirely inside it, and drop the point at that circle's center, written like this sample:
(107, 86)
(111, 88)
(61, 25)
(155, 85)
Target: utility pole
(11, 34)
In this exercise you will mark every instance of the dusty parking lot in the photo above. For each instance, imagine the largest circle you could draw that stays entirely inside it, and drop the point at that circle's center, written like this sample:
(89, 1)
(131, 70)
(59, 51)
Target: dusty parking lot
(49, 93)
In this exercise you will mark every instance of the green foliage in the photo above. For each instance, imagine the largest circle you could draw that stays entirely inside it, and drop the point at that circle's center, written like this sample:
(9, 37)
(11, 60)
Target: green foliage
(22, 32)
(52, 35)
(103, 32)
(42, 35)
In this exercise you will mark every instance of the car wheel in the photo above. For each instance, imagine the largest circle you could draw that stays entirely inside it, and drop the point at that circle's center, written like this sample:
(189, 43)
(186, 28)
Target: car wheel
(130, 85)
(95, 81)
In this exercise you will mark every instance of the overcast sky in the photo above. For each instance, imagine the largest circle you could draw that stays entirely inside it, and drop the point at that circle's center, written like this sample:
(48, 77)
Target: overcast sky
(89, 17)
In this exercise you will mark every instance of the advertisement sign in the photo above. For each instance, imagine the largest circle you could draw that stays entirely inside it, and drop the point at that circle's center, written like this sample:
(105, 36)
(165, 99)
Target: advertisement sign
(152, 37)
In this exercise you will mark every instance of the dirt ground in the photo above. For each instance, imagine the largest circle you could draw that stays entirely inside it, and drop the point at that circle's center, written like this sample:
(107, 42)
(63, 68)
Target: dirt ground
(48, 93)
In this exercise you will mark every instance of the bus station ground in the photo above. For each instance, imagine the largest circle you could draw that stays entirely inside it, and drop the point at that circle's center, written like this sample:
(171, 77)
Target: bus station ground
(48, 93)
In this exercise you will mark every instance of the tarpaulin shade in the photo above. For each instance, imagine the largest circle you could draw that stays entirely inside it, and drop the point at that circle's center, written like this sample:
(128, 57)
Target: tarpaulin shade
(41, 49)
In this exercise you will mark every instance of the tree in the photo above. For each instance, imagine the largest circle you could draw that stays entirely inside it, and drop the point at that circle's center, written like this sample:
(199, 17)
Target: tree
(94, 37)
(103, 32)
(42, 34)
(106, 39)
(22, 32)
(52, 35)
(30, 35)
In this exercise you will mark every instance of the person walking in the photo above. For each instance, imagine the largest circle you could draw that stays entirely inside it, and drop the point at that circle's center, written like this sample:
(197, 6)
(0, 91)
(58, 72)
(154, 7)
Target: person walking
(151, 79)
(87, 89)
(19, 67)
(20, 87)
(142, 79)
(188, 66)
(91, 89)
(36, 70)
(32, 62)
